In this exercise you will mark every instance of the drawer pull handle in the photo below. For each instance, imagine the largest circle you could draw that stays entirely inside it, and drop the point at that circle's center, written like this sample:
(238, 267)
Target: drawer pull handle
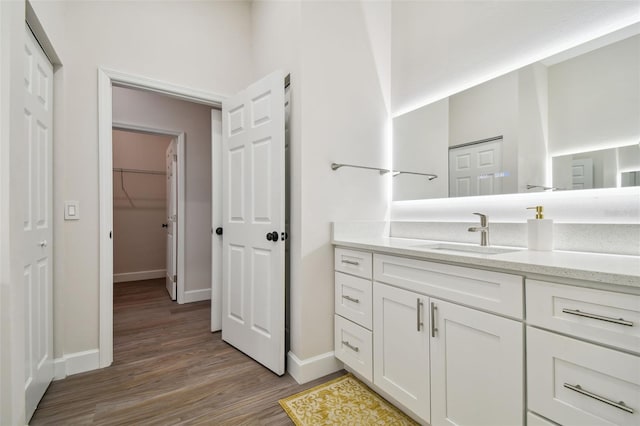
(434, 308)
(350, 346)
(598, 317)
(577, 388)
(419, 322)
(351, 262)
(351, 299)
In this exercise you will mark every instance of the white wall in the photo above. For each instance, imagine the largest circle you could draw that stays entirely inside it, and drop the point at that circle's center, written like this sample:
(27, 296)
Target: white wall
(204, 45)
(420, 144)
(594, 99)
(440, 48)
(161, 112)
(139, 240)
(344, 119)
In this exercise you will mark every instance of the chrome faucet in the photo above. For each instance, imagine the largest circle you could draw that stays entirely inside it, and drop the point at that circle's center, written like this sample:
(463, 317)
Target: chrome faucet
(483, 229)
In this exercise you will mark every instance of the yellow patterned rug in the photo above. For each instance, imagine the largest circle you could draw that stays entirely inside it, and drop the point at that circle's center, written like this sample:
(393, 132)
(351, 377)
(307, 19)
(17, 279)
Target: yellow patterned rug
(342, 401)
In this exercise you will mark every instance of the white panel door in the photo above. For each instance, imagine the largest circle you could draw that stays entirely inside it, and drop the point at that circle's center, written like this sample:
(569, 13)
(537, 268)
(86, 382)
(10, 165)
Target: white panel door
(476, 169)
(172, 215)
(582, 173)
(38, 277)
(401, 347)
(477, 368)
(253, 200)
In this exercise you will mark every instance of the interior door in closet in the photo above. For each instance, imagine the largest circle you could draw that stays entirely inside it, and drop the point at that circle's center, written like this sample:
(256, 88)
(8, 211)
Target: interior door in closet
(172, 212)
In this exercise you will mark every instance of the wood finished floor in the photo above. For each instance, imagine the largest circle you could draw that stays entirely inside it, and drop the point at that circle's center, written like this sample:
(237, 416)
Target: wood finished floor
(168, 369)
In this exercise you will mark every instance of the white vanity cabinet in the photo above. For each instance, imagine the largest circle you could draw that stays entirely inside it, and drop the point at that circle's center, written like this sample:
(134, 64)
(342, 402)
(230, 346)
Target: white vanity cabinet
(447, 340)
(541, 340)
(353, 311)
(591, 373)
(449, 364)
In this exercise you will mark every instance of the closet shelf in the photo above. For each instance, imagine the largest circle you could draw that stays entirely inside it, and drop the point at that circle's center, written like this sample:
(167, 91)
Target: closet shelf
(430, 176)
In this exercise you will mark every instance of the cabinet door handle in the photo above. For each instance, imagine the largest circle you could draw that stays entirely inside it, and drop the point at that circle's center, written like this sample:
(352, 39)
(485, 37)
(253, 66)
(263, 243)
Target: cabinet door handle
(579, 313)
(434, 308)
(621, 405)
(350, 346)
(351, 262)
(351, 299)
(419, 306)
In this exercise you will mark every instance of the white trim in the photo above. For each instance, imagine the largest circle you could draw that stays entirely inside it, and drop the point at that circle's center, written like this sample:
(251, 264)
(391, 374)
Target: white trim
(75, 363)
(197, 295)
(139, 275)
(182, 178)
(184, 93)
(309, 369)
(216, 220)
(131, 127)
(105, 170)
(182, 203)
(60, 368)
(107, 78)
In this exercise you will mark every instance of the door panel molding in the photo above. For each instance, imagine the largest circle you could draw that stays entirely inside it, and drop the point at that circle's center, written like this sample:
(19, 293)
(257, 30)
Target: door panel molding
(106, 79)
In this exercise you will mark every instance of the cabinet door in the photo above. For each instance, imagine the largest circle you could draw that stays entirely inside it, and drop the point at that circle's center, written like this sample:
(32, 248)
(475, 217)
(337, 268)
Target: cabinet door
(477, 368)
(401, 347)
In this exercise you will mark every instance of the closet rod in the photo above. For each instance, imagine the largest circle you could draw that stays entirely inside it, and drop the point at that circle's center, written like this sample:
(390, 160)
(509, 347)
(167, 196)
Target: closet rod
(430, 176)
(147, 172)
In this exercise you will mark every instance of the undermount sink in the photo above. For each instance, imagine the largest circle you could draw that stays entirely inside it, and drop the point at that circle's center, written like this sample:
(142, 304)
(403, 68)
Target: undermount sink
(462, 248)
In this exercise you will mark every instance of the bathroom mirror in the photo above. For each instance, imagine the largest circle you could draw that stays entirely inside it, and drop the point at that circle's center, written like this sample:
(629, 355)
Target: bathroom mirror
(570, 121)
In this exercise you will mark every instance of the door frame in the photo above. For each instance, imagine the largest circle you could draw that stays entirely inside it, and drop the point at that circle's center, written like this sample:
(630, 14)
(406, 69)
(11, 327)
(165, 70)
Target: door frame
(106, 79)
(179, 137)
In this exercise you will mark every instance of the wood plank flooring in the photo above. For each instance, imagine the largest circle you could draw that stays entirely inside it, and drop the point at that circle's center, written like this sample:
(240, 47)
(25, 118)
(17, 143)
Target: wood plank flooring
(168, 369)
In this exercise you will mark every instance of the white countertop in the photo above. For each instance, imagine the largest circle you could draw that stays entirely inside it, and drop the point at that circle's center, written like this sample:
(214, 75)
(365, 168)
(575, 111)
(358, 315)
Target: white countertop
(604, 268)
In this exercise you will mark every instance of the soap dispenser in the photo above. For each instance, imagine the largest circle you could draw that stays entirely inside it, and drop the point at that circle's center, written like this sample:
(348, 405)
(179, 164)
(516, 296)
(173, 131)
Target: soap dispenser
(540, 231)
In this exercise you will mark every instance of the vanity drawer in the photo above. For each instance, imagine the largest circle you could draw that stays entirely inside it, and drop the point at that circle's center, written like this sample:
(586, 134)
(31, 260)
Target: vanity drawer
(577, 383)
(535, 420)
(353, 299)
(491, 291)
(353, 346)
(353, 262)
(597, 315)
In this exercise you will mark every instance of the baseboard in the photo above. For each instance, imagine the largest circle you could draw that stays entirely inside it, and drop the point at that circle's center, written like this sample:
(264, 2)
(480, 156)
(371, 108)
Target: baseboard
(309, 369)
(197, 295)
(75, 363)
(139, 276)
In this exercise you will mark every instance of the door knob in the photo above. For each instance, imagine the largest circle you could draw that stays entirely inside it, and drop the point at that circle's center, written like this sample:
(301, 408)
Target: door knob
(272, 236)
(219, 230)
(43, 243)
(165, 225)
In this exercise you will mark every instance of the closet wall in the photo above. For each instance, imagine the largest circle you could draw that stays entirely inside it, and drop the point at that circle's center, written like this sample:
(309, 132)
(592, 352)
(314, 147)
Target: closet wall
(139, 206)
(155, 111)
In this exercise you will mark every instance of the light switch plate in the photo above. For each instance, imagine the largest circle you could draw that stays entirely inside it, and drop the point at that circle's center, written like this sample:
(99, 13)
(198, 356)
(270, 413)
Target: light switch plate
(71, 210)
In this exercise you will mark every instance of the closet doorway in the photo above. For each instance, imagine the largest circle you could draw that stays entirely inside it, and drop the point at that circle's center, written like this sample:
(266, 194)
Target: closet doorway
(146, 200)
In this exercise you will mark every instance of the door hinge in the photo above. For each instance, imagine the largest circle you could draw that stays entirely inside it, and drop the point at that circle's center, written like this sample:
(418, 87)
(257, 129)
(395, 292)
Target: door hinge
(175, 157)
(175, 278)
